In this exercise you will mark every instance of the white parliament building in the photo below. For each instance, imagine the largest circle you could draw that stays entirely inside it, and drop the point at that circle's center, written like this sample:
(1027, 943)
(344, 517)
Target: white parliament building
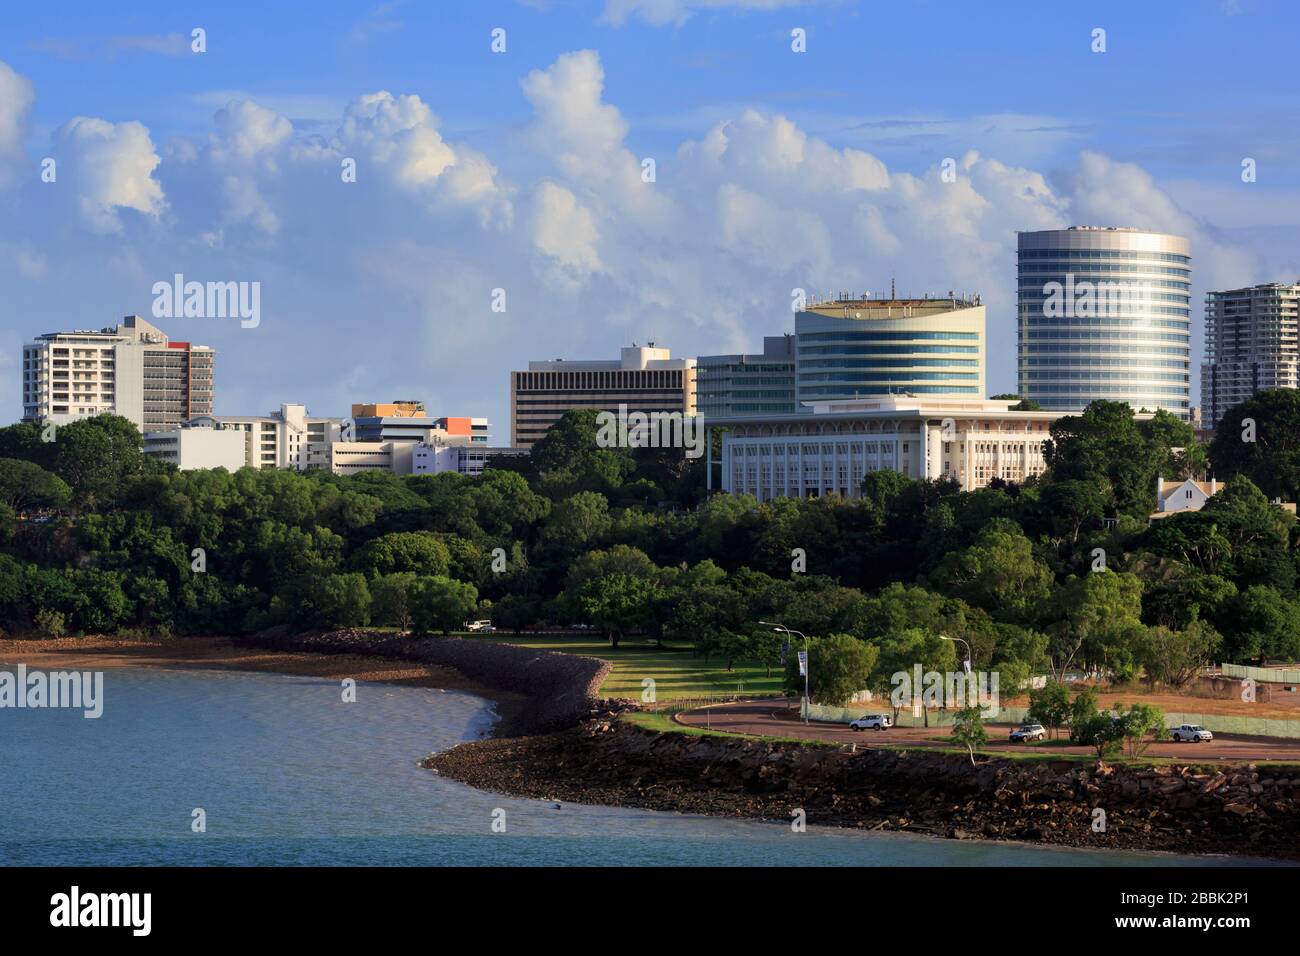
(829, 447)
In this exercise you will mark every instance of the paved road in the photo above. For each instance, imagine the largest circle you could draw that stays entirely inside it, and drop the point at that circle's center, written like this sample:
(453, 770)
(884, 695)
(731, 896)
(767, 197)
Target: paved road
(777, 719)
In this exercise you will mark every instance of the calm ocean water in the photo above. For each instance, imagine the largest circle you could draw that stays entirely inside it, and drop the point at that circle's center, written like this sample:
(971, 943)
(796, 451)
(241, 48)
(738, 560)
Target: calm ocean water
(289, 774)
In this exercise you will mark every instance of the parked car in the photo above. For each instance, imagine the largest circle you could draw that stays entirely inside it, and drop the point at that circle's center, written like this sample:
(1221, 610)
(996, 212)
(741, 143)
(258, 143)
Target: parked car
(480, 627)
(1191, 732)
(1027, 732)
(872, 722)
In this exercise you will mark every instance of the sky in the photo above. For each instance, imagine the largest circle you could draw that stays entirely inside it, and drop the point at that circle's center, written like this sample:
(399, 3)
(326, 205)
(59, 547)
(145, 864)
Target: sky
(524, 169)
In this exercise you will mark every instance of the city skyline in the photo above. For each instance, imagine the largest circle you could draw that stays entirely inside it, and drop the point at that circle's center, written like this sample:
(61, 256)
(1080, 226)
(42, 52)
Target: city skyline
(794, 174)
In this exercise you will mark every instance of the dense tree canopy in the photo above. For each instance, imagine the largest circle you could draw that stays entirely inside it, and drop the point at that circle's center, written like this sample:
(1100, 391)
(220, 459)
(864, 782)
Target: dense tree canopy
(1063, 572)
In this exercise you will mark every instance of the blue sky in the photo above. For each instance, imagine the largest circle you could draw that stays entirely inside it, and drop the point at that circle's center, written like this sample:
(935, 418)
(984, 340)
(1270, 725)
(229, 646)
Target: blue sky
(520, 170)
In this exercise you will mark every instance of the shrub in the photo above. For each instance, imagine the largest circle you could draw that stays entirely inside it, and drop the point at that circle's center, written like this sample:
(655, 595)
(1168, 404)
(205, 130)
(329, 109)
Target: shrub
(50, 623)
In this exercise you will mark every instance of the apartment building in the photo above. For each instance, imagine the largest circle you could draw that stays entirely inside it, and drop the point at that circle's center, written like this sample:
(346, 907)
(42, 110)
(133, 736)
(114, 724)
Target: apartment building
(860, 346)
(643, 378)
(133, 370)
(1251, 344)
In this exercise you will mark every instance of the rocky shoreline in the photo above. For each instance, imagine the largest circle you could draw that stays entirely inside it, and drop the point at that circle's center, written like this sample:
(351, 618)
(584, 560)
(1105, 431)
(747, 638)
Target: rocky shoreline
(1181, 809)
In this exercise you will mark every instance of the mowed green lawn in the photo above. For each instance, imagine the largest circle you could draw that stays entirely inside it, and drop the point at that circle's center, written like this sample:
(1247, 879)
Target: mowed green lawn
(675, 669)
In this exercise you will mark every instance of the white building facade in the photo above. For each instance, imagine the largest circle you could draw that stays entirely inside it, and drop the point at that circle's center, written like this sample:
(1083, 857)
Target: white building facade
(287, 438)
(198, 447)
(830, 450)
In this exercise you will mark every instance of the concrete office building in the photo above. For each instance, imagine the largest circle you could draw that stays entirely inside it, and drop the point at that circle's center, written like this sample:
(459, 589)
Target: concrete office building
(858, 347)
(644, 379)
(465, 459)
(287, 438)
(198, 446)
(476, 431)
(741, 384)
(133, 370)
(422, 428)
(828, 448)
(351, 457)
(1105, 313)
(1250, 345)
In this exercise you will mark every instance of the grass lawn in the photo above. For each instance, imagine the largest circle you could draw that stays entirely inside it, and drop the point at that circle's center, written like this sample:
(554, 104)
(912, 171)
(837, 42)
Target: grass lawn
(675, 669)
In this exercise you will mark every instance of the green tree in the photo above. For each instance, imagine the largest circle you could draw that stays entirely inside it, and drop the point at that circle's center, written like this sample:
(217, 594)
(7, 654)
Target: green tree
(1070, 506)
(1260, 439)
(441, 604)
(420, 552)
(619, 604)
(391, 599)
(1267, 626)
(1049, 705)
(882, 486)
(25, 486)
(1083, 707)
(340, 600)
(1100, 731)
(1175, 657)
(1104, 444)
(96, 457)
(839, 666)
(1101, 613)
(968, 730)
(999, 573)
(1141, 726)
(514, 612)
(577, 523)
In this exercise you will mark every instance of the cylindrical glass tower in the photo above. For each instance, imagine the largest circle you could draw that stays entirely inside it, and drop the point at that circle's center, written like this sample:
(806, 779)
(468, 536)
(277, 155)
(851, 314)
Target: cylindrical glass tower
(1105, 313)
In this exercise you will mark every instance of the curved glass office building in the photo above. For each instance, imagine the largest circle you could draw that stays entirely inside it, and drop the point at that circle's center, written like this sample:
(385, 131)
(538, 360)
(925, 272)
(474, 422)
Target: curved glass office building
(861, 347)
(1105, 312)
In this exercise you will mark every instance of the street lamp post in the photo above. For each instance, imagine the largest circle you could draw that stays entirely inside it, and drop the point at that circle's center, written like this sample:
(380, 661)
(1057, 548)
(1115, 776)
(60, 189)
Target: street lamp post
(807, 668)
(966, 664)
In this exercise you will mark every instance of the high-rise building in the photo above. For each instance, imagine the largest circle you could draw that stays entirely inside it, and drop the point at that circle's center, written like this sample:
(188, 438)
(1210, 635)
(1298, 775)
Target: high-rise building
(859, 347)
(643, 379)
(740, 384)
(133, 370)
(1105, 313)
(1250, 345)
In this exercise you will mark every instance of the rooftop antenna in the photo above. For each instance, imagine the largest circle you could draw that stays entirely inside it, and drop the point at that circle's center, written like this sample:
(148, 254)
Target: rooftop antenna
(892, 295)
